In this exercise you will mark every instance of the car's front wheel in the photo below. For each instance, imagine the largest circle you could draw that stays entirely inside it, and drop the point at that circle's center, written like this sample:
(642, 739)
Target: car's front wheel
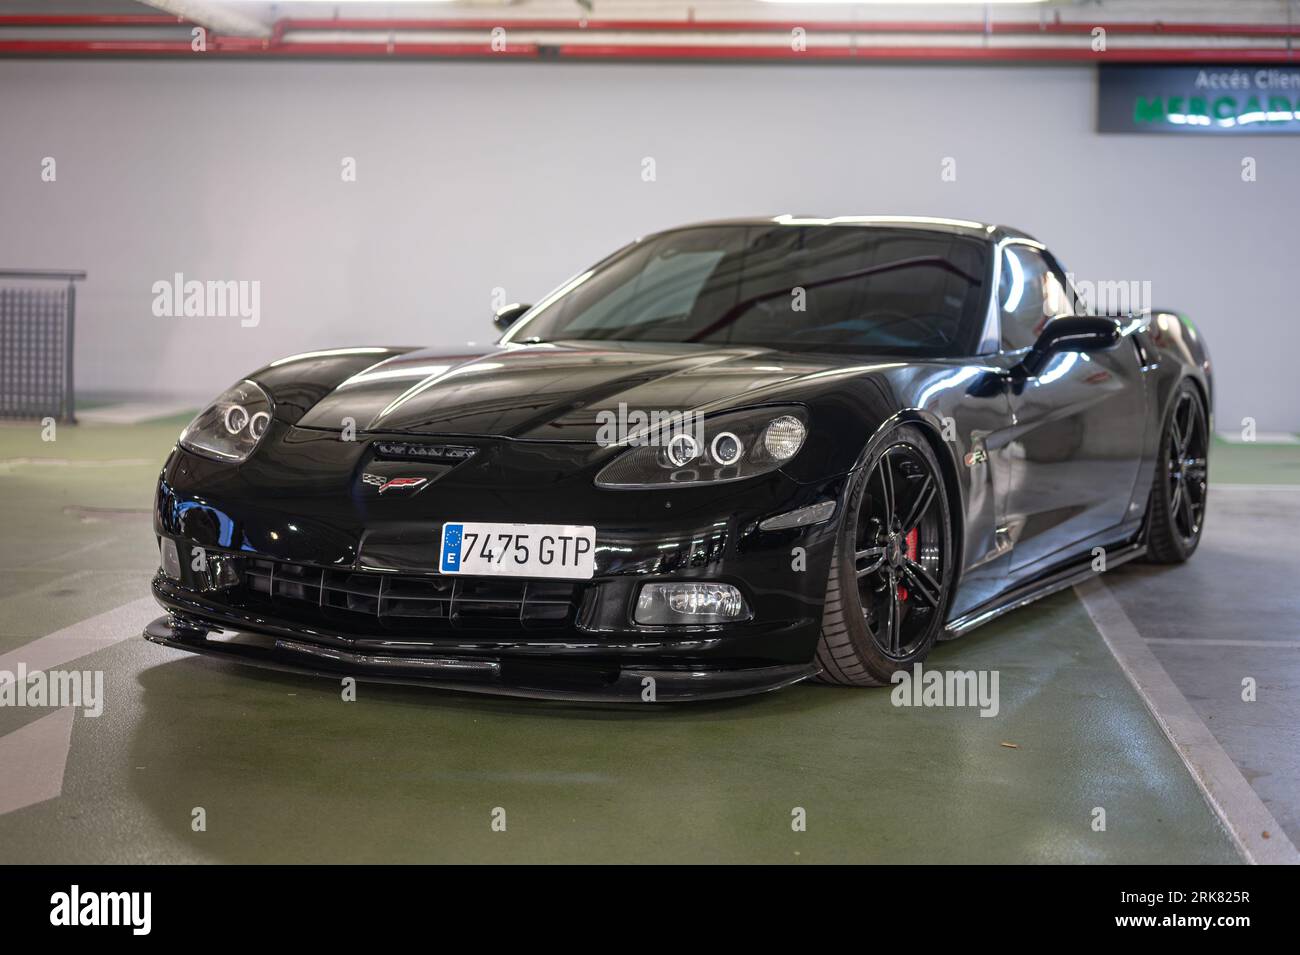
(891, 576)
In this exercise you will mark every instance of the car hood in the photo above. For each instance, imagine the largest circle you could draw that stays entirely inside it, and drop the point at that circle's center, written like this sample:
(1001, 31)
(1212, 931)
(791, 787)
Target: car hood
(556, 392)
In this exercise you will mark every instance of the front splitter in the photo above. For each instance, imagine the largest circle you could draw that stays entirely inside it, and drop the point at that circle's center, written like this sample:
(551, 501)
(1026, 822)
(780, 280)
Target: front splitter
(491, 676)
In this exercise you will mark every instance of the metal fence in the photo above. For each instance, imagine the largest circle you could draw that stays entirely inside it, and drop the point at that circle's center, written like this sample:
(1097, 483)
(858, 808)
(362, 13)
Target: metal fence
(37, 317)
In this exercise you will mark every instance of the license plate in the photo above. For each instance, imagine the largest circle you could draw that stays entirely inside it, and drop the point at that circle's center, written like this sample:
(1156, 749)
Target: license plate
(518, 550)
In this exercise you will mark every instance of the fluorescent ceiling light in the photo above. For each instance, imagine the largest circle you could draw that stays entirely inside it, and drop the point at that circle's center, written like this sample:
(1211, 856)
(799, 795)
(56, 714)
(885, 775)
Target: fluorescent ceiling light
(905, 3)
(337, 3)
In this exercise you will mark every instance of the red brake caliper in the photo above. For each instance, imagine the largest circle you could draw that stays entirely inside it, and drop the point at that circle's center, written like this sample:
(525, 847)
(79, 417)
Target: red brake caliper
(910, 540)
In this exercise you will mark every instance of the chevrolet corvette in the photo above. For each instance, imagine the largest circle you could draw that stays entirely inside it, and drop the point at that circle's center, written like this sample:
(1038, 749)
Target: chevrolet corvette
(727, 458)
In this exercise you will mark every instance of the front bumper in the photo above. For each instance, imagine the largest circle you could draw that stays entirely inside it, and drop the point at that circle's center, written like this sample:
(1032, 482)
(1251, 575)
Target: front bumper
(562, 662)
(335, 580)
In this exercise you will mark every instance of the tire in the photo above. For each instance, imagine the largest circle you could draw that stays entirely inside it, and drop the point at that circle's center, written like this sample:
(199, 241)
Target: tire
(1177, 505)
(858, 646)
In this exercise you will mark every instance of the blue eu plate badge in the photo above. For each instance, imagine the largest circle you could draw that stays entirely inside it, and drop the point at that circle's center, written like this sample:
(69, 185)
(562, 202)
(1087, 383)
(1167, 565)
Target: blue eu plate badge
(452, 537)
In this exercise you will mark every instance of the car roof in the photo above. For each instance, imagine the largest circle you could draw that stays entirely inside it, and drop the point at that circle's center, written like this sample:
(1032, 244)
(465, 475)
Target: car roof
(981, 230)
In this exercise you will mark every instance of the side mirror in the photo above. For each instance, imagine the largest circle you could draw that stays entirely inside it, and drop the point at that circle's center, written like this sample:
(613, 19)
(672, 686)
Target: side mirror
(505, 317)
(1083, 333)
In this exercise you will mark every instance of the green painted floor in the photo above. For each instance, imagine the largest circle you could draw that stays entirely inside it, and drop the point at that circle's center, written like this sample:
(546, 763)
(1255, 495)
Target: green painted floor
(1254, 463)
(287, 771)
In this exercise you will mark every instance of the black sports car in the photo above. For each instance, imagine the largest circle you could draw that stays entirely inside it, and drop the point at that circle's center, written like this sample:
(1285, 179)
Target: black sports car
(727, 458)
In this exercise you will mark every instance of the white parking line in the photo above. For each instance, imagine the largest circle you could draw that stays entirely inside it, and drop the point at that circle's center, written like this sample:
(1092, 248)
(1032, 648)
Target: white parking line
(35, 755)
(1260, 437)
(135, 412)
(1193, 642)
(94, 633)
(1254, 487)
(1242, 812)
(8, 464)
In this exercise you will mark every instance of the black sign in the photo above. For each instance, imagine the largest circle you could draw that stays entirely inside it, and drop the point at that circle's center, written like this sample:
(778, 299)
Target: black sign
(1209, 100)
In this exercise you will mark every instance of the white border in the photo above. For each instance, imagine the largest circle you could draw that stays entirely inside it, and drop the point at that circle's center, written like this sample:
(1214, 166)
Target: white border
(1238, 806)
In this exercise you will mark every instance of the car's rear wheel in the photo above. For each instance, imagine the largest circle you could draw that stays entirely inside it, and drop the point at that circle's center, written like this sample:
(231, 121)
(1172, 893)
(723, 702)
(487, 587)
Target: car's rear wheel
(891, 575)
(1176, 511)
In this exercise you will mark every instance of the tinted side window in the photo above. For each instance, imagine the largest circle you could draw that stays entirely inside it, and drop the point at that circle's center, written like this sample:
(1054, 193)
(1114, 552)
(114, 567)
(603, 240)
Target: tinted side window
(1029, 296)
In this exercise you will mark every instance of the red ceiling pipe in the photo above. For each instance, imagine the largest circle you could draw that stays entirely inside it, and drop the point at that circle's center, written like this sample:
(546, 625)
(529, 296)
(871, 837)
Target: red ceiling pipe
(1019, 27)
(1157, 28)
(1240, 30)
(90, 20)
(942, 53)
(427, 50)
(255, 47)
(83, 47)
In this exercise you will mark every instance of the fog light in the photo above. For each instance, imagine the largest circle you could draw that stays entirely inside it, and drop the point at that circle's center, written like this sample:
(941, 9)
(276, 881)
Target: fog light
(683, 603)
(783, 437)
(171, 560)
(223, 571)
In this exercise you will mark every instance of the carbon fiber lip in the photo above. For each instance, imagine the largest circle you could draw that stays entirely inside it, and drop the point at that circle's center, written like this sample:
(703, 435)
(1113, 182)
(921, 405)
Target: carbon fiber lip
(500, 677)
(365, 660)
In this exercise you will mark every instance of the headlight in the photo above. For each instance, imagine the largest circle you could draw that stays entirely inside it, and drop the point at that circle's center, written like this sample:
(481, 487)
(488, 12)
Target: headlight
(232, 426)
(728, 447)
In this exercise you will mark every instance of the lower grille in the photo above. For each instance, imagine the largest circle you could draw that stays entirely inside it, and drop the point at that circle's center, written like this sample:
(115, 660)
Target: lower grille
(406, 603)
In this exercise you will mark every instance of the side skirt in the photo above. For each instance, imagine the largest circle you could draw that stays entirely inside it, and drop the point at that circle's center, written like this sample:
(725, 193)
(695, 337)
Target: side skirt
(1036, 589)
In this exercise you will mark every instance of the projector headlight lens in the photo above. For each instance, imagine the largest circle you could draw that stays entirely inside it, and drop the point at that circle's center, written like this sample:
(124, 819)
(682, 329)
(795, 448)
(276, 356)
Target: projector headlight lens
(687, 603)
(727, 447)
(257, 424)
(682, 449)
(236, 419)
(231, 427)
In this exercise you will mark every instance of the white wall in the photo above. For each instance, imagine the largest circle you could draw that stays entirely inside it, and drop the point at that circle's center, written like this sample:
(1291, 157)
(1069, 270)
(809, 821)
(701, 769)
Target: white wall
(472, 176)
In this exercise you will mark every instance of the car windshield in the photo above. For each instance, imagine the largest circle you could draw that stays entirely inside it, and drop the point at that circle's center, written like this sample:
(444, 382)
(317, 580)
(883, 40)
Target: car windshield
(792, 287)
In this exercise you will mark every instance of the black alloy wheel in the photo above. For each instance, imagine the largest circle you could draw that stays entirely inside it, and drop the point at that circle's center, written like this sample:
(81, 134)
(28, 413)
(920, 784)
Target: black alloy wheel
(1176, 513)
(886, 606)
